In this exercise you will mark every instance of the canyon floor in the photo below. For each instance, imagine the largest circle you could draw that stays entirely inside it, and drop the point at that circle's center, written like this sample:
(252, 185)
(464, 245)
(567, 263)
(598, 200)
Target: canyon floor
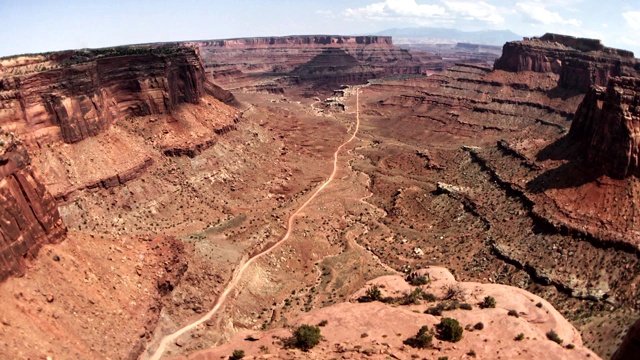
(423, 183)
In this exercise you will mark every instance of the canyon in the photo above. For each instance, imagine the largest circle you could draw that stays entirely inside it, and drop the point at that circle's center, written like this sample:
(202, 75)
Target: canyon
(138, 181)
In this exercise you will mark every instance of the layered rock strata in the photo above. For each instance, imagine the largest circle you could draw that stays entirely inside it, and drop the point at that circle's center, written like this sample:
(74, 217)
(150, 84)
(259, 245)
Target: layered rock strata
(322, 59)
(78, 94)
(607, 125)
(579, 62)
(29, 216)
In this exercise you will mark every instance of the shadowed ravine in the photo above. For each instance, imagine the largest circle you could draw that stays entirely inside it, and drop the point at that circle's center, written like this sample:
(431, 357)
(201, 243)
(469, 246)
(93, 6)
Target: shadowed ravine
(238, 273)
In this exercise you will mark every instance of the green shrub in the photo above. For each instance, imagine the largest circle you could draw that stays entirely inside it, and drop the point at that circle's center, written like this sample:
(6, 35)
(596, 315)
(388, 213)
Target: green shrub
(488, 302)
(449, 330)
(429, 297)
(422, 340)
(435, 310)
(304, 338)
(372, 294)
(466, 306)
(413, 298)
(417, 280)
(553, 336)
(237, 355)
(520, 337)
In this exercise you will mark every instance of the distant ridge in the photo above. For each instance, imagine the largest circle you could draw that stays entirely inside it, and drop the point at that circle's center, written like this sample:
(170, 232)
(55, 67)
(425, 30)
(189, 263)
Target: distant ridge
(431, 35)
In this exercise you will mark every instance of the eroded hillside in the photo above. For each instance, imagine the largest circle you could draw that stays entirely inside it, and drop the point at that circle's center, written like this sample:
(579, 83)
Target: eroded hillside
(169, 184)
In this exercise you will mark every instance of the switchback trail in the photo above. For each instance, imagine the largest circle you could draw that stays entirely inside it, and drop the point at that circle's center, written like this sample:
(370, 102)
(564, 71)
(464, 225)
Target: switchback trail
(238, 273)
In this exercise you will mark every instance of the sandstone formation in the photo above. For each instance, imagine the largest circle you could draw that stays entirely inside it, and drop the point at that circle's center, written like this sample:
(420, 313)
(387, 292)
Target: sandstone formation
(29, 216)
(606, 127)
(77, 94)
(579, 62)
(630, 347)
(331, 60)
(375, 330)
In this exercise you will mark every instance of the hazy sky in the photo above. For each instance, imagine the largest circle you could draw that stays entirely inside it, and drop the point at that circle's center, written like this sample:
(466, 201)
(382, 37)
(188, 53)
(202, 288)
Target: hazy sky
(35, 26)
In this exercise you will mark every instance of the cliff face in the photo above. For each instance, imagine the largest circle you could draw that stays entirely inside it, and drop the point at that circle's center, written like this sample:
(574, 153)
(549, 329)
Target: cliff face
(630, 347)
(84, 92)
(580, 63)
(322, 59)
(29, 216)
(606, 127)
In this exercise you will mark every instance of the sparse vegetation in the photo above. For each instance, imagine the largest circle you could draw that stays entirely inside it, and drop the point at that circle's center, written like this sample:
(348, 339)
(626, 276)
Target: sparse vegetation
(305, 337)
(435, 310)
(513, 313)
(453, 292)
(478, 326)
(472, 353)
(429, 297)
(371, 294)
(488, 302)
(323, 323)
(413, 298)
(422, 340)
(449, 329)
(553, 336)
(466, 306)
(520, 337)
(237, 355)
(417, 280)
(570, 346)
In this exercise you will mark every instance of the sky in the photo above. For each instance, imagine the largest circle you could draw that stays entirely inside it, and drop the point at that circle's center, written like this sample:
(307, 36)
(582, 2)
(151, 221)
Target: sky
(29, 26)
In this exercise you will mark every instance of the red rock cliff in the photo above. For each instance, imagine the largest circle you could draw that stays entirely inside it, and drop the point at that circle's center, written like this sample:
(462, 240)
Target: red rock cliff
(76, 94)
(322, 59)
(606, 127)
(579, 62)
(29, 216)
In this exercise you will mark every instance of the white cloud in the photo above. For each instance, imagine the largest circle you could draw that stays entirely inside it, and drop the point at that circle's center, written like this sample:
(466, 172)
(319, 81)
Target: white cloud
(475, 11)
(396, 9)
(633, 19)
(537, 13)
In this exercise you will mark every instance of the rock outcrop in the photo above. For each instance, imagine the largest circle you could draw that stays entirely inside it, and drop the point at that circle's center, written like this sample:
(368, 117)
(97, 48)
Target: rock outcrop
(29, 216)
(580, 63)
(630, 347)
(606, 127)
(77, 94)
(321, 59)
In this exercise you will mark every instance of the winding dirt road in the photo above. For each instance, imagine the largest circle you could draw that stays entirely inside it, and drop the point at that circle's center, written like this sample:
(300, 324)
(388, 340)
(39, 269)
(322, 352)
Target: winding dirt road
(238, 273)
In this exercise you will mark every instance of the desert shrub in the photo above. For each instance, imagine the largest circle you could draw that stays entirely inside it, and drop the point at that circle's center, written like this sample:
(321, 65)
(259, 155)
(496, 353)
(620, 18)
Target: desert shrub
(453, 292)
(513, 313)
(372, 294)
(388, 300)
(423, 339)
(539, 304)
(449, 329)
(478, 326)
(237, 355)
(451, 305)
(443, 358)
(304, 338)
(472, 353)
(520, 337)
(488, 302)
(553, 336)
(323, 323)
(429, 297)
(466, 306)
(417, 280)
(570, 346)
(435, 310)
(413, 298)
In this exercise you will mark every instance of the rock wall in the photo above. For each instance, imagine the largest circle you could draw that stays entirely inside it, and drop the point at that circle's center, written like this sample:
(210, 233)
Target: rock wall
(74, 95)
(580, 63)
(29, 216)
(322, 59)
(606, 126)
(630, 347)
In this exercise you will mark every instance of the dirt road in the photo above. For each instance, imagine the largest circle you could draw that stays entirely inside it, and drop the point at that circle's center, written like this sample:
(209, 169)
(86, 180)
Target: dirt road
(238, 273)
